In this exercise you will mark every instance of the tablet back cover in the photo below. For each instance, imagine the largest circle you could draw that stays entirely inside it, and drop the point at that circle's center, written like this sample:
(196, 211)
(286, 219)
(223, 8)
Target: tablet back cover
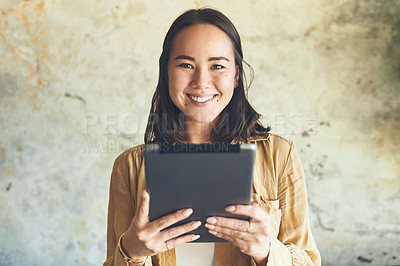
(205, 177)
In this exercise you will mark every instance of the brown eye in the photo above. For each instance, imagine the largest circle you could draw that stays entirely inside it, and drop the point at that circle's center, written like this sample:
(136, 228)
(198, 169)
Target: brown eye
(186, 65)
(217, 67)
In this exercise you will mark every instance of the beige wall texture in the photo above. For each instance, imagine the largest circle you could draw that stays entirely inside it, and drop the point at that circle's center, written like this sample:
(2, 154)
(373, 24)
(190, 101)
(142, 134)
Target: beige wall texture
(76, 81)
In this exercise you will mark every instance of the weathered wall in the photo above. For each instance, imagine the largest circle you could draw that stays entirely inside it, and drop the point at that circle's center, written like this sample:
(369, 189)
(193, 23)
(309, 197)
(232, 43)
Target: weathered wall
(76, 80)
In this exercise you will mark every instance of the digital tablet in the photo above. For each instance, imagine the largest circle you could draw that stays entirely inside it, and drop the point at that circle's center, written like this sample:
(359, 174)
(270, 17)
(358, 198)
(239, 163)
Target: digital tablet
(204, 177)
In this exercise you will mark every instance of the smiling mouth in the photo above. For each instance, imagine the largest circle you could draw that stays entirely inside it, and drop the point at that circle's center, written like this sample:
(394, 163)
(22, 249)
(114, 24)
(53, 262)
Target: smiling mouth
(201, 99)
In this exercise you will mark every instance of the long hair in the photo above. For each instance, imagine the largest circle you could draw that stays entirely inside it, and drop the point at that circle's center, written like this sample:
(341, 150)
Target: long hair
(237, 121)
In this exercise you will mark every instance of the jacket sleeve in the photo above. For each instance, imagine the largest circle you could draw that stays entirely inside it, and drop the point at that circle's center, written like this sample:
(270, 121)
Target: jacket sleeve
(295, 244)
(120, 208)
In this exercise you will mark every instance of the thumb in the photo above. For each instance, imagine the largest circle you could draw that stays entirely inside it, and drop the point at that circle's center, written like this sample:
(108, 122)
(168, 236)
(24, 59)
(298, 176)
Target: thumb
(143, 212)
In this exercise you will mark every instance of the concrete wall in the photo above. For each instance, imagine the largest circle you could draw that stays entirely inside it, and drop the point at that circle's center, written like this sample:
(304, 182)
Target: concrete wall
(76, 80)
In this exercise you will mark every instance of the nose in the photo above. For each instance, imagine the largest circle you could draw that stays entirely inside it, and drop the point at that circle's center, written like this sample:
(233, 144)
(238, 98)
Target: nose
(201, 78)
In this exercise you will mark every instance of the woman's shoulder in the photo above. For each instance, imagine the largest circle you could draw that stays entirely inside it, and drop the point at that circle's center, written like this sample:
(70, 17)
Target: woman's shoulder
(134, 153)
(275, 150)
(273, 141)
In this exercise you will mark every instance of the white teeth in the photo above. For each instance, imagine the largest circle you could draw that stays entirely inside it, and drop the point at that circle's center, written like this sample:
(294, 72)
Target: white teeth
(201, 100)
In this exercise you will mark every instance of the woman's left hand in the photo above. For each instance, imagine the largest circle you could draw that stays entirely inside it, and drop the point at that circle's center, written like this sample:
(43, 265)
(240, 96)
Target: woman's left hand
(251, 237)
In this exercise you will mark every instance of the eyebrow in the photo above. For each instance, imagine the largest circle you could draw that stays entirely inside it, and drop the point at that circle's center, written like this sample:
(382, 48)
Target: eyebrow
(214, 58)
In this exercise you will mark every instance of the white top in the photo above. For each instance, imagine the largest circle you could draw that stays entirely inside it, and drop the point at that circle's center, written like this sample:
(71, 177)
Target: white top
(195, 254)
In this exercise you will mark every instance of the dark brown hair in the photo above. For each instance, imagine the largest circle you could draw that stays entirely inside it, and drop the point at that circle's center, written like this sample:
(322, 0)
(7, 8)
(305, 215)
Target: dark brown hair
(237, 121)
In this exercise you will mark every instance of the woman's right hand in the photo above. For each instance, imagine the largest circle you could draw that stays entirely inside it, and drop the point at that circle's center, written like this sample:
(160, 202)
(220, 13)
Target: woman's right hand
(145, 238)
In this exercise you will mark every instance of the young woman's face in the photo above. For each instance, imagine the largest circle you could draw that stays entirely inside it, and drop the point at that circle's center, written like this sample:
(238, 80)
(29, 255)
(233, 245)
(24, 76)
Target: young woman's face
(201, 72)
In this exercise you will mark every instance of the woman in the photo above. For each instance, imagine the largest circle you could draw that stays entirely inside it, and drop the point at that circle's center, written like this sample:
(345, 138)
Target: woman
(200, 98)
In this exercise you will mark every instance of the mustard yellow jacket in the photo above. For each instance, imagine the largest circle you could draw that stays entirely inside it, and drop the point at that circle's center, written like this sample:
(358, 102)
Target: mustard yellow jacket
(279, 187)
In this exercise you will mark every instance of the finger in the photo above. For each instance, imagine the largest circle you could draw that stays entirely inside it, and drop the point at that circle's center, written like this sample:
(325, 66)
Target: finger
(243, 245)
(229, 232)
(179, 230)
(231, 223)
(236, 241)
(253, 211)
(168, 220)
(143, 212)
(180, 240)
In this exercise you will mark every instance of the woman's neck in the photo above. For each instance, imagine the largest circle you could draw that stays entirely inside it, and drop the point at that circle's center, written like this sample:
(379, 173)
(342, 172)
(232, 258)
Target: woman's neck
(198, 132)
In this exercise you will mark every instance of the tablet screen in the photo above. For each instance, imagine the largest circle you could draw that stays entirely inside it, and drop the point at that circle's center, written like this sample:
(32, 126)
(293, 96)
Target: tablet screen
(205, 177)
